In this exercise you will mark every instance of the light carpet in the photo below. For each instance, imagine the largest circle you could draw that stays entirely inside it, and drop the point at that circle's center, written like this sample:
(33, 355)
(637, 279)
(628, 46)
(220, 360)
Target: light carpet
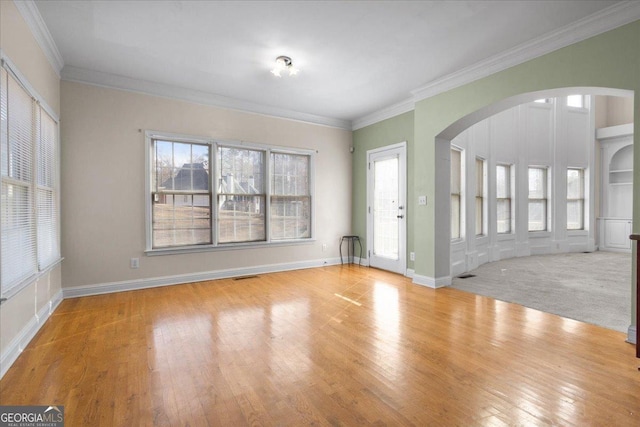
(589, 287)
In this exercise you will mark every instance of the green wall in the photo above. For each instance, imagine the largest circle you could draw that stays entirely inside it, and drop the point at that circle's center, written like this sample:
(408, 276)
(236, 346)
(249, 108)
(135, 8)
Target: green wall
(610, 60)
(386, 132)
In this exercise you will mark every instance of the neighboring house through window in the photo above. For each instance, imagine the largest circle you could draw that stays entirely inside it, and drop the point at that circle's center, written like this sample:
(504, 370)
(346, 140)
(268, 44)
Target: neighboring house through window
(259, 195)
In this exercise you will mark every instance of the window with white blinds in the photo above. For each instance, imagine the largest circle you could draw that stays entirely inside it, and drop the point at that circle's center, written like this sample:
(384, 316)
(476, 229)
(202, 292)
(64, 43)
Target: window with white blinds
(46, 192)
(29, 221)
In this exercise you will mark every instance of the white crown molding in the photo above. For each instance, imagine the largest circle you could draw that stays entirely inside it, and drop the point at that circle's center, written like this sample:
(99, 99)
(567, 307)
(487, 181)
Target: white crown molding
(605, 20)
(385, 113)
(114, 81)
(32, 17)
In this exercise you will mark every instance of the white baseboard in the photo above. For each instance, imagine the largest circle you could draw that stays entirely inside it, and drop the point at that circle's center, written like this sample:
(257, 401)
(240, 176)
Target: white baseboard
(361, 261)
(24, 337)
(632, 334)
(410, 273)
(132, 285)
(431, 282)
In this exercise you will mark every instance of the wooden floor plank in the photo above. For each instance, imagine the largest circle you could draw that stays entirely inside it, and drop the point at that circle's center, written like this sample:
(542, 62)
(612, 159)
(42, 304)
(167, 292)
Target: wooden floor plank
(340, 345)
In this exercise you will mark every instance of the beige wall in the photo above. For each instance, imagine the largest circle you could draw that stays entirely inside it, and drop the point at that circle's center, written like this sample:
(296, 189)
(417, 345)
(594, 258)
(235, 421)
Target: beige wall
(18, 314)
(619, 110)
(17, 42)
(103, 179)
(613, 111)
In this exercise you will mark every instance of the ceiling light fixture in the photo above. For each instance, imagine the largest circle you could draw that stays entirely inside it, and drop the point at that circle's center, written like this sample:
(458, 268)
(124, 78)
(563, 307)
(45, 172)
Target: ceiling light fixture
(283, 63)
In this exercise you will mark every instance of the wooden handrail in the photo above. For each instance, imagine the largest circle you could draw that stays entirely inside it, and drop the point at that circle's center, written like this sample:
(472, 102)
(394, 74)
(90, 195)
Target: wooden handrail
(637, 238)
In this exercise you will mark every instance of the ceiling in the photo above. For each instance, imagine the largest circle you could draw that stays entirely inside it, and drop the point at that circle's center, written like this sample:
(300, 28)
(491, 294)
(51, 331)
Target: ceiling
(355, 57)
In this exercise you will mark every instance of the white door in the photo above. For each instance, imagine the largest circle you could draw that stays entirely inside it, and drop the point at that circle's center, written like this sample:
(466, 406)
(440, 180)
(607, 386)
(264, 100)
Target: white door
(386, 208)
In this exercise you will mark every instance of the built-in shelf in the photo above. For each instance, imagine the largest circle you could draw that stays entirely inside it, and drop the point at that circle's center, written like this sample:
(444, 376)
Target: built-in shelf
(616, 144)
(621, 171)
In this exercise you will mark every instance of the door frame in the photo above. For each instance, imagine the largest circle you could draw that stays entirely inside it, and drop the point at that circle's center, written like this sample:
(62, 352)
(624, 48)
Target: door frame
(402, 238)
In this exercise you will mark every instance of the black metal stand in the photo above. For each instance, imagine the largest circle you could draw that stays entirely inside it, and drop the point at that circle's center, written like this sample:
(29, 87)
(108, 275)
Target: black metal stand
(351, 250)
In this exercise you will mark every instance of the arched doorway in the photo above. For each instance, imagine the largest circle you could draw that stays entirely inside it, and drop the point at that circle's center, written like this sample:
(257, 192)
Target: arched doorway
(444, 258)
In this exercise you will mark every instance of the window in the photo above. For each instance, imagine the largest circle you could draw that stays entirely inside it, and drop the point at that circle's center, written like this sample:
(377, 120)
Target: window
(290, 196)
(479, 197)
(29, 220)
(456, 194)
(575, 101)
(241, 195)
(503, 196)
(575, 199)
(537, 199)
(181, 207)
(259, 194)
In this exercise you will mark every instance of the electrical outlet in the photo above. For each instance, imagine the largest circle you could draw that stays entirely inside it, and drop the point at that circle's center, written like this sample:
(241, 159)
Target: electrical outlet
(422, 200)
(324, 247)
(135, 262)
(412, 256)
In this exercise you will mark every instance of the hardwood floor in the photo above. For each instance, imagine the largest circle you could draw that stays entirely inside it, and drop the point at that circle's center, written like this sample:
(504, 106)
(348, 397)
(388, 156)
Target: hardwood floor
(340, 345)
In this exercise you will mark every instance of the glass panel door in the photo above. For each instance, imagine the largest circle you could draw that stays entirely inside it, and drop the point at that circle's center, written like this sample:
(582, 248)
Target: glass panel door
(386, 208)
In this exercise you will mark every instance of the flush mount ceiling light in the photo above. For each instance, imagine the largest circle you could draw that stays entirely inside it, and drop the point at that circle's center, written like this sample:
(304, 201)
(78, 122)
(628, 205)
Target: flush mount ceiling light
(283, 63)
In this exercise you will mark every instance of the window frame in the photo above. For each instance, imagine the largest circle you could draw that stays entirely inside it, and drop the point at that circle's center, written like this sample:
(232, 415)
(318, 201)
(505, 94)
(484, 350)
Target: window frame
(175, 193)
(545, 199)
(481, 197)
(582, 175)
(509, 190)
(215, 144)
(460, 197)
(584, 102)
(273, 194)
(39, 107)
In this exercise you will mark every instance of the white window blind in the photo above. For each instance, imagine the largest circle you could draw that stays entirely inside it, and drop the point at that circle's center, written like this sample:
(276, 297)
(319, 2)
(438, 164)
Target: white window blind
(29, 213)
(47, 197)
(18, 240)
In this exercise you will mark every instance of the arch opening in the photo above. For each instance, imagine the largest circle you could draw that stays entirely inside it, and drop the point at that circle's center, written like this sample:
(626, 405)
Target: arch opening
(445, 256)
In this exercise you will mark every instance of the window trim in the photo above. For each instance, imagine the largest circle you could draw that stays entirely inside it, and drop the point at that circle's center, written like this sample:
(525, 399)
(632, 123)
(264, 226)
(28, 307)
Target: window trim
(546, 199)
(583, 221)
(586, 104)
(215, 143)
(461, 197)
(38, 103)
(510, 191)
(483, 199)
